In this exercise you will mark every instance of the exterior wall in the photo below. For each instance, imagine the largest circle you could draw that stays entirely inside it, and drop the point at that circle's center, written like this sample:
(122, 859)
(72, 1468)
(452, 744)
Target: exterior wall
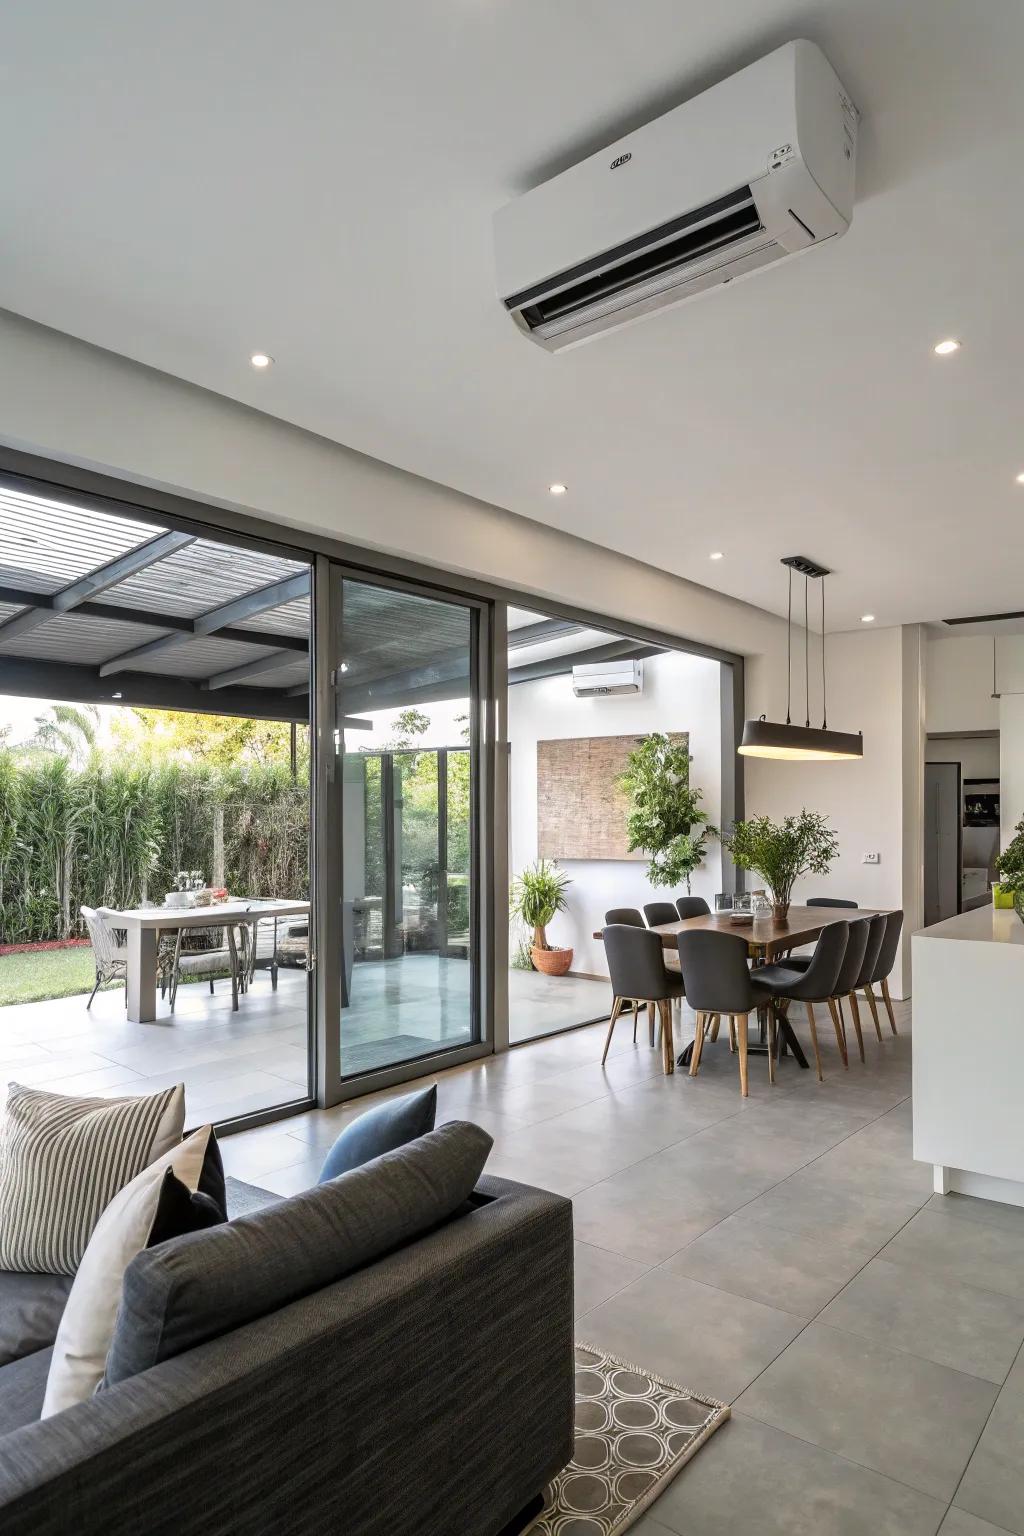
(681, 693)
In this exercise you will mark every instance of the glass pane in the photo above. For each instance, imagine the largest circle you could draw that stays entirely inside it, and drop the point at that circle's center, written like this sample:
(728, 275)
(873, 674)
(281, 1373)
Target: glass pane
(405, 706)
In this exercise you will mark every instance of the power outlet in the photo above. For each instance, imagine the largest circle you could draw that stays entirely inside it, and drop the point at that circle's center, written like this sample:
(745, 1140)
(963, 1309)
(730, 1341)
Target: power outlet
(871, 858)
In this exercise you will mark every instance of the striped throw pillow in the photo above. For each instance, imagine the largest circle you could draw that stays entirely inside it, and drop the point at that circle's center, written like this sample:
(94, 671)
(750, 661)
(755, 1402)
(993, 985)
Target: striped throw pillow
(63, 1159)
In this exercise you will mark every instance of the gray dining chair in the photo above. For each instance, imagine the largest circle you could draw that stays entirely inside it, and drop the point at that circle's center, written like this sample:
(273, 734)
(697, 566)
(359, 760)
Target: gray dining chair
(691, 906)
(885, 962)
(816, 984)
(719, 984)
(632, 917)
(876, 935)
(637, 969)
(830, 901)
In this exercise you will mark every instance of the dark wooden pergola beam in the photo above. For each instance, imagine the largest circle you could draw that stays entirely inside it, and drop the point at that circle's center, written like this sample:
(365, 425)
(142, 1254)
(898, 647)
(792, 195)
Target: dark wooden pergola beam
(83, 685)
(99, 580)
(18, 597)
(218, 620)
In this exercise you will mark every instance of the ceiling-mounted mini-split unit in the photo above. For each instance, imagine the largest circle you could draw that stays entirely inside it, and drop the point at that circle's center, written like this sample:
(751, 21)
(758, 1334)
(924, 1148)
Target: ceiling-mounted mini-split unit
(758, 168)
(595, 679)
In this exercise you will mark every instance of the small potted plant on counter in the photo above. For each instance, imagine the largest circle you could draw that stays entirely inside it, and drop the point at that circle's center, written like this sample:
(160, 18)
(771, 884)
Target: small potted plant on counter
(538, 893)
(1010, 865)
(781, 852)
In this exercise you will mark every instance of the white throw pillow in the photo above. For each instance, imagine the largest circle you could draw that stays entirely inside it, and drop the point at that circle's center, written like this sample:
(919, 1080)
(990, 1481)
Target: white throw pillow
(87, 1327)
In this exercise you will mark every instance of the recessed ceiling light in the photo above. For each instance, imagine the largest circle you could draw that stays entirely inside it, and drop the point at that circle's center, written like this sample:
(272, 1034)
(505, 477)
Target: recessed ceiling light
(716, 554)
(867, 618)
(558, 489)
(1020, 478)
(261, 360)
(944, 348)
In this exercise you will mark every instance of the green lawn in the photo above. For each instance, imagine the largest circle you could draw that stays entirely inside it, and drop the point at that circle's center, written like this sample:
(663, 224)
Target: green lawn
(44, 973)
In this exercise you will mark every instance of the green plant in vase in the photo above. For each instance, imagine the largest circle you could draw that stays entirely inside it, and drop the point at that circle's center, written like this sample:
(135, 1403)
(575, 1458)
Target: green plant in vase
(780, 852)
(537, 895)
(664, 810)
(1010, 865)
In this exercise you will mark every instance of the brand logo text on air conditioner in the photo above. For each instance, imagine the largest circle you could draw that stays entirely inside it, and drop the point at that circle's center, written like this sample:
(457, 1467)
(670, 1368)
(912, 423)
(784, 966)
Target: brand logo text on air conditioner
(620, 160)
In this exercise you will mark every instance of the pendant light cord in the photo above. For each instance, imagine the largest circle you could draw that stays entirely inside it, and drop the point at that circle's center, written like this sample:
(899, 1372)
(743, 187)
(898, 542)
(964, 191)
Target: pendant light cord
(824, 704)
(807, 658)
(789, 650)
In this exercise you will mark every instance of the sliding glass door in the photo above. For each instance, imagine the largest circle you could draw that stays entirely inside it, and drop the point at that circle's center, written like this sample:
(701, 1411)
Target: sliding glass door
(405, 700)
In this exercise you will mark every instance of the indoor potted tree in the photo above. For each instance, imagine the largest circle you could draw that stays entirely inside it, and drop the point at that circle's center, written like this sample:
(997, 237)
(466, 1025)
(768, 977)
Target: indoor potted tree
(664, 810)
(538, 892)
(781, 852)
(1010, 865)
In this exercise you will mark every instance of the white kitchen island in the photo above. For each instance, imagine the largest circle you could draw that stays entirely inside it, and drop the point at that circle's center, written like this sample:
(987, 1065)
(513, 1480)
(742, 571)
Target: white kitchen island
(968, 991)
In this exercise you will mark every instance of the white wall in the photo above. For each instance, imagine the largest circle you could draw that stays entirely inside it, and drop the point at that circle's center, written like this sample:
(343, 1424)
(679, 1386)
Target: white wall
(681, 693)
(978, 756)
(959, 684)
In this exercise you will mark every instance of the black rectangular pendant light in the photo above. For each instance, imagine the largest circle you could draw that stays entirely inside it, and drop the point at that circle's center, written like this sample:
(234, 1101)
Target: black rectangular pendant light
(785, 741)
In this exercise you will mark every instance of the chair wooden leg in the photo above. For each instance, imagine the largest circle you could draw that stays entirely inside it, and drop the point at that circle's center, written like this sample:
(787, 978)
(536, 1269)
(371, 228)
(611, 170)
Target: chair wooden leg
(668, 1054)
(814, 1039)
(837, 1020)
(888, 1003)
(698, 1044)
(636, 1018)
(616, 1010)
(741, 1041)
(650, 1022)
(855, 1010)
(732, 1034)
(870, 995)
(716, 1019)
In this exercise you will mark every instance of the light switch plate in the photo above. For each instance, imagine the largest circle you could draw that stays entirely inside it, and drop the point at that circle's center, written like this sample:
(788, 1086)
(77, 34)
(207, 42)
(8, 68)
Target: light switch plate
(871, 858)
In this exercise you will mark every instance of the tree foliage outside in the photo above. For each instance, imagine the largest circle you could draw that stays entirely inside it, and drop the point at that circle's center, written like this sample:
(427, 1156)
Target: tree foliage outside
(222, 741)
(116, 833)
(664, 809)
(780, 852)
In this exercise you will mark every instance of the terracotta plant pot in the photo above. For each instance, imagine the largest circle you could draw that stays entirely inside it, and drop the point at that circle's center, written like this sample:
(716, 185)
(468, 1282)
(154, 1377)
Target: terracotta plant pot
(551, 962)
(780, 910)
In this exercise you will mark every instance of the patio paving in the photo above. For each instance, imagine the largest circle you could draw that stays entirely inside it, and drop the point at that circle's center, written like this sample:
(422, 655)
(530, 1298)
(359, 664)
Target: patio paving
(235, 1063)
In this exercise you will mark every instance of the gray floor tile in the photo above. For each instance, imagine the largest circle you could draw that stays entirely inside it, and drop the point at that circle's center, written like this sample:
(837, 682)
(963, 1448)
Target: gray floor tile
(648, 1212)
(985, 1254)
(750, 1258)
(693, 1334)
(751, 1478)
(850, 1221)
(902, 1416)
(647, 1525)
(970, 1208)
(959, 1523)
(993, 1485)
(600, 1275)
(943, 1320)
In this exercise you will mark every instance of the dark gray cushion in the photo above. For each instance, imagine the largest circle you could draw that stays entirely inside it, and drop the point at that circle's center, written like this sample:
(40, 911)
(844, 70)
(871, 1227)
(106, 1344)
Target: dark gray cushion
(390, 1125)
(205, 1284)
(31, 1307)
(22, 1388)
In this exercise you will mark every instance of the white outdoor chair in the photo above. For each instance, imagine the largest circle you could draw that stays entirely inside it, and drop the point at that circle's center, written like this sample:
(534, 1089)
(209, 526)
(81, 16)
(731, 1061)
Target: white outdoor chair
(110, 952)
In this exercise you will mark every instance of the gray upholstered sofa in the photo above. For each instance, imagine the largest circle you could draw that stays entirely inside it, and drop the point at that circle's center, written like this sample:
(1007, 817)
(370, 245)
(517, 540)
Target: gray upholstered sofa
(427, 1393)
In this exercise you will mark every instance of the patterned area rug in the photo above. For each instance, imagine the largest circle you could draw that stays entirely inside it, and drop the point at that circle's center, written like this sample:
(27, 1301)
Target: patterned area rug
(633, 1433)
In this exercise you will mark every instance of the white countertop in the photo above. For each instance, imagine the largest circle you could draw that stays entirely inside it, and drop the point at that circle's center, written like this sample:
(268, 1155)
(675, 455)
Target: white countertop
(985, 925)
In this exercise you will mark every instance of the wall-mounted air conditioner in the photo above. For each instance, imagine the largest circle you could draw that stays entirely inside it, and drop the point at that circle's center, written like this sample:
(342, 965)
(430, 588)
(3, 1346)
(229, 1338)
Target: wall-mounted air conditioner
(594, 679)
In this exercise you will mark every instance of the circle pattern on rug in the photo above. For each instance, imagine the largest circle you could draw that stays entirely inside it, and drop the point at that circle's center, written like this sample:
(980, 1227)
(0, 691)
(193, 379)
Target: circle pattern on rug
(633, 1433)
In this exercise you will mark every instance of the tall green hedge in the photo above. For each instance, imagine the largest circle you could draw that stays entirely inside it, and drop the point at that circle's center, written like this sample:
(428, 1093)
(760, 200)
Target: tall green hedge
(115, 833)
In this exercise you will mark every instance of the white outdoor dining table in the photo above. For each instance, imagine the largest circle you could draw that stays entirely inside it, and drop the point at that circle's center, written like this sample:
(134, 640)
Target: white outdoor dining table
(143, 924)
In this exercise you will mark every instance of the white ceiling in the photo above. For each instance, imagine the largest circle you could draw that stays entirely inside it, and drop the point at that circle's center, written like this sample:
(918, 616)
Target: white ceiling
(188, 183)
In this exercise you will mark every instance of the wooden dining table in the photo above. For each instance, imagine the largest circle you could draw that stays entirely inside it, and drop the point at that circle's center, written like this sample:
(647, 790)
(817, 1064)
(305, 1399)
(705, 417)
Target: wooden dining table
(768, 938)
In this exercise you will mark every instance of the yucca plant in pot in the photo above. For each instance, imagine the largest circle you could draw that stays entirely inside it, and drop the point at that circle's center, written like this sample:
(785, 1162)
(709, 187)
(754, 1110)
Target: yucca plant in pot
(538, 893)
(780, 852)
